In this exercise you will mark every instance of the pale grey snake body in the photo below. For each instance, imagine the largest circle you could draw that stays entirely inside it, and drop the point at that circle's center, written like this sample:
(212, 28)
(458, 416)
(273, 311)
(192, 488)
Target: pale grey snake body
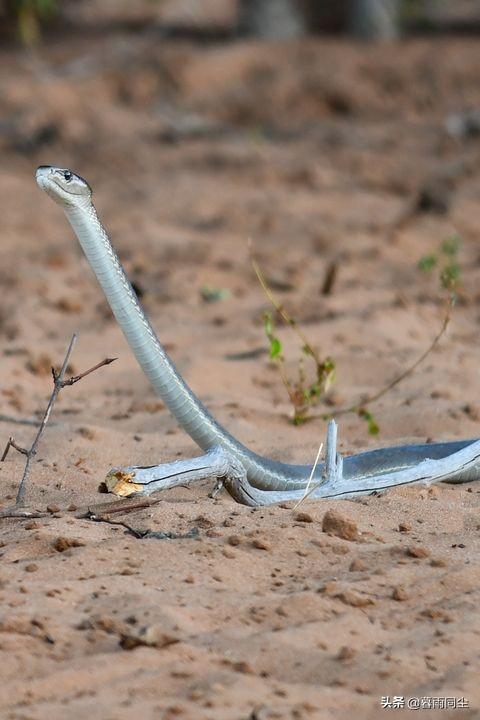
(249, 477)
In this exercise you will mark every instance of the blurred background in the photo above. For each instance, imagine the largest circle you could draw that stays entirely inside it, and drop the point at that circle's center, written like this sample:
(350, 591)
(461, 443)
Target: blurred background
(279, 19)
(341, 136)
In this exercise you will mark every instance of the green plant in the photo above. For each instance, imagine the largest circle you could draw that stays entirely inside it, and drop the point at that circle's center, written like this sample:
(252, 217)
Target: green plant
(446, 259)
(212, 294)
(305, 395)
(28, 17)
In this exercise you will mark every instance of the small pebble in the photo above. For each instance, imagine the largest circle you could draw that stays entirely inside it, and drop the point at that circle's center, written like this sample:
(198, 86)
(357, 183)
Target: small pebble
(335, 524)
(346, 652)
(32, 525)
(399, 593)
(261, 544)
(438, 562)
(417, 551)
(303, 517)
(357, 565)
(349, 597)
(63, 543)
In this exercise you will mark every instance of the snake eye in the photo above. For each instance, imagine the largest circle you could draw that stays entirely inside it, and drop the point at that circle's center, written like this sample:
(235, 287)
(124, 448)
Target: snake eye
(67, 175)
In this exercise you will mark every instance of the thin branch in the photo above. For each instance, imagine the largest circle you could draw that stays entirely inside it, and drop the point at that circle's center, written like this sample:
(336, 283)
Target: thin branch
(144, 533)
(121, 507)
(59, 383)
(11, 443)
(312, 473)
(357, 407)
(57, 386)
(19, 421)
(21, 513)
(330, 278)
(301, 397)
(286, 317)
(75, 378)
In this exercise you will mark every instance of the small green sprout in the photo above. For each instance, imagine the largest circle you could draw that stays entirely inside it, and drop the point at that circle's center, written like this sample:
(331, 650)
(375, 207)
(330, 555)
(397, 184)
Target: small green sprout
(275, 350)
(212, 294)
(450, 276)
(29, 17)
(451, 246)
(367, 415)
(446, 259)
(427, 263)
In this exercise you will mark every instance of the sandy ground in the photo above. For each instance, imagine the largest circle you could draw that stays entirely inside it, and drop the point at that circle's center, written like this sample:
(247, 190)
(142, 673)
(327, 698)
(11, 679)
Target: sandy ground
(317, 152)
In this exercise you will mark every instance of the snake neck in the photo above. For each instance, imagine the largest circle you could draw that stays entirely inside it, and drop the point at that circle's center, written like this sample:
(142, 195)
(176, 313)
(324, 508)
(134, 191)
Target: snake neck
(187, 409)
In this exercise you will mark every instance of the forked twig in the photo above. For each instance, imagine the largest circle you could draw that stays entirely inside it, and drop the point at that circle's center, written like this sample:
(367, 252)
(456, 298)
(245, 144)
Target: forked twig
(59, 382)
(75, 378)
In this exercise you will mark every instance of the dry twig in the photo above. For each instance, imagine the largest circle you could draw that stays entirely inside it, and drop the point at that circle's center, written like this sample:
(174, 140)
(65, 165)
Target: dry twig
(59, 382)
(360, 406)
(19, 421)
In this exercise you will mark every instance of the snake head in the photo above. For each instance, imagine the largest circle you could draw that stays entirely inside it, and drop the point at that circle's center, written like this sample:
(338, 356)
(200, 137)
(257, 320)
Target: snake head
(63, 185)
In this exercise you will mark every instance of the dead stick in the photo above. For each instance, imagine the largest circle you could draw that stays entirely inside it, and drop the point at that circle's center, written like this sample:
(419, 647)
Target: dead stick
(76, 378)
(329, 278)
(58, 384)
(19, 421)
(11, 443)
(362, 404)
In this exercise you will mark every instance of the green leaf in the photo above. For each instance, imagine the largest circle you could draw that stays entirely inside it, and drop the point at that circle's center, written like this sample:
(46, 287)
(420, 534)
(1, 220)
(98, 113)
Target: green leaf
(451, 245)
(327, 367)
(427, 263)
(275, 347)
(213, 294)
(314, 391)
(450, 276)
(373, 426)
(268, 324)
(46, 7)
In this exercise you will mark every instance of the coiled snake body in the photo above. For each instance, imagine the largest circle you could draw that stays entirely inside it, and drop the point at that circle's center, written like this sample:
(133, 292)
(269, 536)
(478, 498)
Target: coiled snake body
(249, 477)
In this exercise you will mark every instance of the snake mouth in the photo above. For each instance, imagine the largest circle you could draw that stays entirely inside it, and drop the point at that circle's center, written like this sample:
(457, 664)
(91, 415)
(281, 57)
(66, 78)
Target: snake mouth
(42, 174)
(45, 177)
(61, 183)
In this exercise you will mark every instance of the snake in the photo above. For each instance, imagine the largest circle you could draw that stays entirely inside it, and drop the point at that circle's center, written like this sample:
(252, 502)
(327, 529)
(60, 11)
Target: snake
(257, 479)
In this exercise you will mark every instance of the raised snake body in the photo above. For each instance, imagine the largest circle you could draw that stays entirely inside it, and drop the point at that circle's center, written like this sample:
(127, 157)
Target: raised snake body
(256, 479)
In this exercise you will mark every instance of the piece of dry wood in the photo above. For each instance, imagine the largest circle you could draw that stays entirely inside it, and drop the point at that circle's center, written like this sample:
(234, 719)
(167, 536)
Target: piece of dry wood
(330, 278)
(120, 507)
(143, 533)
